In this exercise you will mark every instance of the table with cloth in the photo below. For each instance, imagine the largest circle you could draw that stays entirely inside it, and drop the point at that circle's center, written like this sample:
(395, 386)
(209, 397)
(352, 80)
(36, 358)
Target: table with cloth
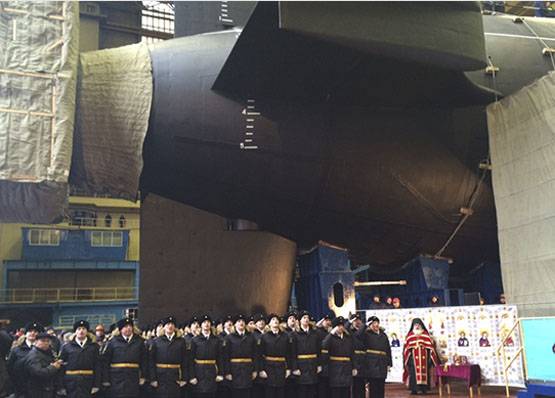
(468, 372)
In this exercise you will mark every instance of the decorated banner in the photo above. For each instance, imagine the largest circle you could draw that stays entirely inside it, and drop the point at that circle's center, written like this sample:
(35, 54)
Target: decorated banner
(474, 332)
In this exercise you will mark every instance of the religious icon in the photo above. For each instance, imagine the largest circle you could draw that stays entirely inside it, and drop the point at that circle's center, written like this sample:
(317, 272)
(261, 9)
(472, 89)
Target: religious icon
(509, 342)
(395, 340)
(442, 343)
(484, 340)
(506, 325)
(463, 341)
(436, 320)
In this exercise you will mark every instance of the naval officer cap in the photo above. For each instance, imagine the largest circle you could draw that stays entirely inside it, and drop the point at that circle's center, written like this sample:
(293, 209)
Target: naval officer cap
(81, 324)
(34, 326)
(168, 319)
(239, 317)
(292, 314)
(124, 322)
(338, 321)
(272, 316)
(259, 317)
(45, 336)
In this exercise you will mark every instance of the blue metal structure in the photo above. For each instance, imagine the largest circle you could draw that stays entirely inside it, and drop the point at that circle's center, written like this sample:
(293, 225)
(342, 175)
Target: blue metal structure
(426, 278)
(63, 315)
(77, 244)
(534, 390)
(324, 273)
(486, 279)
(70, 265)
(77, 250)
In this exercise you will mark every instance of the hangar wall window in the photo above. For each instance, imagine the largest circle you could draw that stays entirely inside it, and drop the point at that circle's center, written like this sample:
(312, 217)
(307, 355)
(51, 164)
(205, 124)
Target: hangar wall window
(158, 21)
(84, 218)
(237, 224)
(106, 239)
(132, 313)
(44, 237)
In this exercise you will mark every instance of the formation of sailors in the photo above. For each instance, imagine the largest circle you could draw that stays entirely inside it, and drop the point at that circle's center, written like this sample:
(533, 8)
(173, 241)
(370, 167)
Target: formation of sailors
(260, 357)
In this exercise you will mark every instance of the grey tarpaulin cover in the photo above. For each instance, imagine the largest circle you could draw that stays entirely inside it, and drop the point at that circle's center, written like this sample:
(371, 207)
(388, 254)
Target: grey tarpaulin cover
(38, 60)
(522, 144)
(113, 108)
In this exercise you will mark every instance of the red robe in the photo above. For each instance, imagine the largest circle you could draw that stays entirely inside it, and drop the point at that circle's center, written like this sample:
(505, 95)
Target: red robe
(422, 347)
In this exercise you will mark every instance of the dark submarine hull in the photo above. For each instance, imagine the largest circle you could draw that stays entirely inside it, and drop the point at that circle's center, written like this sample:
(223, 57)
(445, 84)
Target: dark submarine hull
(383, 173)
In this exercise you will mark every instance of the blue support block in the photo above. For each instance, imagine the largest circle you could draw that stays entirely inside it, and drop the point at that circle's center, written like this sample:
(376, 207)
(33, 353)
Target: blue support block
(537, 390)
(523, 394)
(426, 277)
(320, 271)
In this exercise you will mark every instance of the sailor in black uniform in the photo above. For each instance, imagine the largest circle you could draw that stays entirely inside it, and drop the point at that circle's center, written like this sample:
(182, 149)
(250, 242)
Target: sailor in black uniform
(206, 361)
(194, 330)
(41, 370)
(224, 387)
(228, 325)
(259, 330)
(6, 342)
(307, 347)
(357, 331)
(378, 356)
(277, 358)
(241, 359)
(125, 361)
(82, 372)
(291, 326)
(337, 352)
(22, 347)
(323, 328)
(168, 361)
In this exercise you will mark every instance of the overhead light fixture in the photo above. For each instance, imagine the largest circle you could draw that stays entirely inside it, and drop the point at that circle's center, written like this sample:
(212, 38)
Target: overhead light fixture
(485, 165)
(467, 211)
(491, 70)
(434, 257)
